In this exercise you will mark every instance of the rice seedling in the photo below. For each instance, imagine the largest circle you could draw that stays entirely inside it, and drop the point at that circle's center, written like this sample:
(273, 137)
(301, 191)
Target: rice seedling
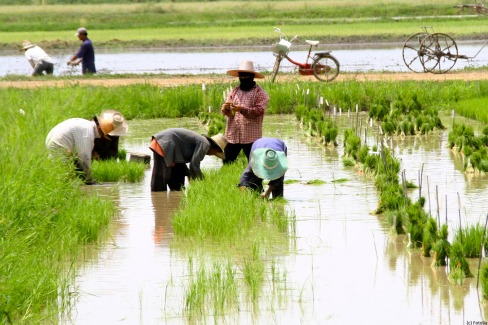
(470, 239)
(484, 280)
(458, 261)
(118, 171)
(441, 247)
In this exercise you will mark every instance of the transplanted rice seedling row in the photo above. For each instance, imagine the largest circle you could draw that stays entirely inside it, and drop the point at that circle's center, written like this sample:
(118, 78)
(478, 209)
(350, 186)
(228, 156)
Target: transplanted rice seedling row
(404, 216)
(244, 233)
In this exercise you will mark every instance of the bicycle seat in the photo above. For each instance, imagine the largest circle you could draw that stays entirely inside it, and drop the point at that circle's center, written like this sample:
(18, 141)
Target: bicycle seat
(313, 43)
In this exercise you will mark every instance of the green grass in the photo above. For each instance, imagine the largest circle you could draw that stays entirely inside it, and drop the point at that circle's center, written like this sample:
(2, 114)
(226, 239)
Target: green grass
(230, 22)
(118, 171)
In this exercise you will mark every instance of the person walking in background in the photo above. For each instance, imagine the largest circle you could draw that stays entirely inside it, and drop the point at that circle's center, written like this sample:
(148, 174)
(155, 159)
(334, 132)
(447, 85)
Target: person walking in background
(173, 149)
(244, 109)
(86, 53)
(38, 59)
(75, 138)
(268, 161)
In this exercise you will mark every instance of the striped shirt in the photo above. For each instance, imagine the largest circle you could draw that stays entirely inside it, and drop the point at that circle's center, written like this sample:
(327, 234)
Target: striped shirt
(77, 137)
(246, 126)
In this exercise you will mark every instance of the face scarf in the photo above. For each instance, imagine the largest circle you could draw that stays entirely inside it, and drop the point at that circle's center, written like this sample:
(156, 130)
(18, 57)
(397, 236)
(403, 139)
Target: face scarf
(246, 81)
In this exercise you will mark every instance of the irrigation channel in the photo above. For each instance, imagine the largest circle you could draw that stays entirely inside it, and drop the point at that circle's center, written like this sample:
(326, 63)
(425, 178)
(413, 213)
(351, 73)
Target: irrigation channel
(342, 266)
(352, 58)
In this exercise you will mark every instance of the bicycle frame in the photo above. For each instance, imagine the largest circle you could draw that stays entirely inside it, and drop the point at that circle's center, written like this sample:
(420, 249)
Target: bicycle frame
(322, 65)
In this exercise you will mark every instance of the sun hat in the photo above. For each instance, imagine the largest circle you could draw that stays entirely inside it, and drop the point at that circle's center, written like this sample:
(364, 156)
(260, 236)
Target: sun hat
(220, 141)
(81, 30)
(245, 66)
(268, 163)
(26, 45)
(113, 123)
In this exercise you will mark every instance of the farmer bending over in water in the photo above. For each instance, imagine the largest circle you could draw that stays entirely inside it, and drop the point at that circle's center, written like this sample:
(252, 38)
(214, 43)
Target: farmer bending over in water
(173, 149)
(75, 137)
(268, 161)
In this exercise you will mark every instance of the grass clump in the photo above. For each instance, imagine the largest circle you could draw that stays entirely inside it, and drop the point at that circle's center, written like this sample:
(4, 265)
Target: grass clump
(118, 171)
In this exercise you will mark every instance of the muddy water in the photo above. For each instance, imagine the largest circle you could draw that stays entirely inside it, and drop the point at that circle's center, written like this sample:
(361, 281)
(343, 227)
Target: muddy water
(343, 268)
(353, 58)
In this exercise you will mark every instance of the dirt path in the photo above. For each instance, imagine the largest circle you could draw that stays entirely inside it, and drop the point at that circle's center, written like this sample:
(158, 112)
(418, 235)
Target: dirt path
(169, 81)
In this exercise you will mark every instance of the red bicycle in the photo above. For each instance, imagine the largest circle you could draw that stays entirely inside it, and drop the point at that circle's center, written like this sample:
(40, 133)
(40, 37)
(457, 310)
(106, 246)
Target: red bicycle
(322, 65)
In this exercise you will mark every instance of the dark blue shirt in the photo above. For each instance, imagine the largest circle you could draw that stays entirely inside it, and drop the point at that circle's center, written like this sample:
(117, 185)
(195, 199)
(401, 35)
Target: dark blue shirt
(87, 54)
(248, 176)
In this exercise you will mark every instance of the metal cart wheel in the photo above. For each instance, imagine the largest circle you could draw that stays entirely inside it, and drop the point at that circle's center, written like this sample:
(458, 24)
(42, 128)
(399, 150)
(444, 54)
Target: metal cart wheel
(411, 52)
(439, 53)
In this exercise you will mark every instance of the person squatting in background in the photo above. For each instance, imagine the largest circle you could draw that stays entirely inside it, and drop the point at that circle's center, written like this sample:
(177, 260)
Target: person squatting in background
(75, 138)
(173, 149)
(244, 109)
(39, 60)
(268, 161)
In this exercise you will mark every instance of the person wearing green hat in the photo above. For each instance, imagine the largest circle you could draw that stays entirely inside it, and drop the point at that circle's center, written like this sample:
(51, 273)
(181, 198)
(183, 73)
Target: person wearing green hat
(268, 160)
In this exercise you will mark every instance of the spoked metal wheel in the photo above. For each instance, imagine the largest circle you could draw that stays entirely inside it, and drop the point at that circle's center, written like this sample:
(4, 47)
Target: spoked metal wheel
(276, 67)
(325, 68)
(440, 53)
(411, 52)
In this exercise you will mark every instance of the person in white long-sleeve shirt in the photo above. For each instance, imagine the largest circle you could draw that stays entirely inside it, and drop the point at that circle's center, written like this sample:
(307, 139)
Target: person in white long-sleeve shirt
(38, 59)
(75, 138)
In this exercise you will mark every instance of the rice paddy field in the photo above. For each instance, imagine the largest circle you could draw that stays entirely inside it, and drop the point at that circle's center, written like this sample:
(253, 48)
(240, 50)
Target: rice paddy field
(385, 196)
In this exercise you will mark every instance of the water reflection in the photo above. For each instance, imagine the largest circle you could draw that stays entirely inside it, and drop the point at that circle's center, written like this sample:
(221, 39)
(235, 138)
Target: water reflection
(342, 267)
(354, 58)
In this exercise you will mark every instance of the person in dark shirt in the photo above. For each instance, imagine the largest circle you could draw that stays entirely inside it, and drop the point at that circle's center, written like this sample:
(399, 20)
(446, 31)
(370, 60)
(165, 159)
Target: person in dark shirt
(173, 149)
(86, 53)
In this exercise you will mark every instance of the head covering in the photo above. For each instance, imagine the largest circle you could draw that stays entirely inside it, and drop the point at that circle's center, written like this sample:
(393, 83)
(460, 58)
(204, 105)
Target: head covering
(268, 163)
(220, 141)
(112, 123)
(81, 30)
(245, 66)
(26, 45)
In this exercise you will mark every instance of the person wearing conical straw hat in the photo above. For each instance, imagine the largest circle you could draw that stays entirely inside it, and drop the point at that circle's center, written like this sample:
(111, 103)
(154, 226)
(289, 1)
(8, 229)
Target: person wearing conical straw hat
(173, 149)
(39, 60)
(244, 109)
(75, 138)
(268, 162)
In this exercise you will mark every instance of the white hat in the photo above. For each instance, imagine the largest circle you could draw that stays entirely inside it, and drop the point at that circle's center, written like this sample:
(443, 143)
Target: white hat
(113, 123)
(268, 163)
(220, 141)
(26, 45)
(81, 30)
(245, 66)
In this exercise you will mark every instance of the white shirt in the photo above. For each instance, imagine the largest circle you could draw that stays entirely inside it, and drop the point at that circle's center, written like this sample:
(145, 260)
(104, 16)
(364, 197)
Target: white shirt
(37, 55)
(77, 136)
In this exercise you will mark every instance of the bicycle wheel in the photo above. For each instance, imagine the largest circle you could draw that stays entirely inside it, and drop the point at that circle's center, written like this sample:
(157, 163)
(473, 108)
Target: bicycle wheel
(412, 52)
(440, 53)
(276, 67)
(325, 67)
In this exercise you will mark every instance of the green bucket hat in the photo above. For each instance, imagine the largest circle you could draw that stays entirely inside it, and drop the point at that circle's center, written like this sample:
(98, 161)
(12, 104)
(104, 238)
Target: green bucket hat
(268, 164)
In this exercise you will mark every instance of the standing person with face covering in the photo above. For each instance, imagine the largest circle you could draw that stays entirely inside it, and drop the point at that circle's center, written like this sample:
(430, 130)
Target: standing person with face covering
(244, 109)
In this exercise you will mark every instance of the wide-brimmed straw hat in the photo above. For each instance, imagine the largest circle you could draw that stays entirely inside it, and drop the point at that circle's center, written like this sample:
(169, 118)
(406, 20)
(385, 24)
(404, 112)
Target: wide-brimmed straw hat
(268, 163)
(113, 123)
(220, 141)
(245, 66)
(26, 45)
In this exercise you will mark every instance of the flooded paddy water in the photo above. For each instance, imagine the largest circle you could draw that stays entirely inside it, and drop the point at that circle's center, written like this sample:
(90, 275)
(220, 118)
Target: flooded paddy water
(340, 267)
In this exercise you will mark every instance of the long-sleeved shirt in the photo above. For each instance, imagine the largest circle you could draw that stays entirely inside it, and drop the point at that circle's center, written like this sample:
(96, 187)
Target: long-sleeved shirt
(183, 146)
(77, 137)
(268, 143)
(35, 55)
(246, 126)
